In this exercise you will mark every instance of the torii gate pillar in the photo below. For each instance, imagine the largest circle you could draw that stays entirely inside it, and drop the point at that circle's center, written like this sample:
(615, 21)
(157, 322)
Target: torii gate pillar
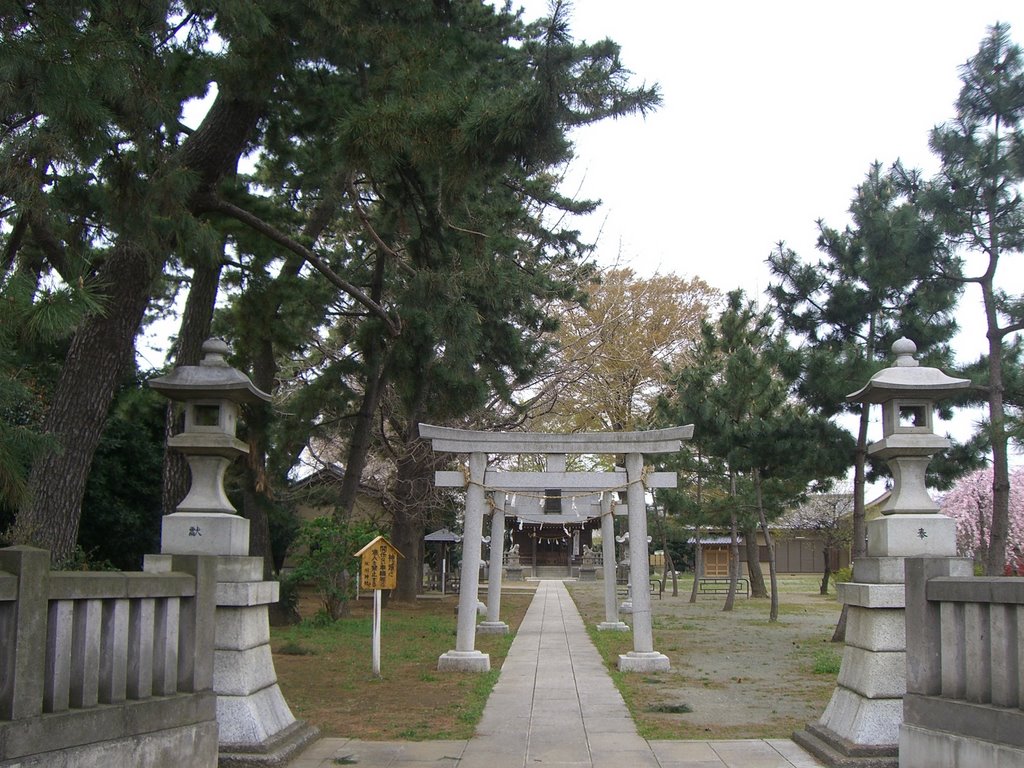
(465, 657)
(643, 657)
(494, 625)
(611, 604)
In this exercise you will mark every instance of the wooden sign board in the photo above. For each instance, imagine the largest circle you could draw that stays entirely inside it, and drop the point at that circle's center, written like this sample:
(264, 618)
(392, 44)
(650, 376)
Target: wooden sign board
(378, 565)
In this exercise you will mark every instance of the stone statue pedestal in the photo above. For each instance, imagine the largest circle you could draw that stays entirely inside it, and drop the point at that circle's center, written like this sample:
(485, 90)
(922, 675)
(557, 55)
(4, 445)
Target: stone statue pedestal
(513, 567)
(588, 569)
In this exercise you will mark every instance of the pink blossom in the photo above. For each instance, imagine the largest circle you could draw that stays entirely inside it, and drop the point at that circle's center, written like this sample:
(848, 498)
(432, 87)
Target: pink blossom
(969, 502)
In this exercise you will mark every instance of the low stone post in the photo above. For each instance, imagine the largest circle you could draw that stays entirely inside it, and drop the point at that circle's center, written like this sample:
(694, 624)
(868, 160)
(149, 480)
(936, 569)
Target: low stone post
(924, 622)
(255, 722)
(23, 654)
(465, 657)
(861, 724)
(643, 657)
(494, 625)
(611, 621)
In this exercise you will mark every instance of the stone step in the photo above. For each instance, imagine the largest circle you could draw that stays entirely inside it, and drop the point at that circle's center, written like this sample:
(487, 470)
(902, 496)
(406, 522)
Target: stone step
(551, 572)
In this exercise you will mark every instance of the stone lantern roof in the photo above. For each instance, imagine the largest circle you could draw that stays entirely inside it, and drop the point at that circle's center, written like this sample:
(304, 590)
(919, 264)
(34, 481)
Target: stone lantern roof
(906, 377)
(213, 378)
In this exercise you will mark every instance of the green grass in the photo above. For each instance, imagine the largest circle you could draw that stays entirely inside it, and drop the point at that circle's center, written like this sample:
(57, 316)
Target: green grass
(671, 709)
(324, 669)
(292, 648)
(826, 662)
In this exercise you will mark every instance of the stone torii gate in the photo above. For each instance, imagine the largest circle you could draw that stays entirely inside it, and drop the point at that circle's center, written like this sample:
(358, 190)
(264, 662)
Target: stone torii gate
(478, 445)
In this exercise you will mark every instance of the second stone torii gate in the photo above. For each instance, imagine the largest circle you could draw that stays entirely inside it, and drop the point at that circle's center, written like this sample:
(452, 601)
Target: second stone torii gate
(465, 657)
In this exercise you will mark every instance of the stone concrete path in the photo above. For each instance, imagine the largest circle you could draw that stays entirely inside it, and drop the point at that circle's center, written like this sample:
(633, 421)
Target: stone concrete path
(555, 706)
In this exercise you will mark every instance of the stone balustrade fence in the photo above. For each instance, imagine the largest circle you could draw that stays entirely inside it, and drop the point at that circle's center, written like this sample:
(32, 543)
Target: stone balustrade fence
(965, 668)
(106, 668)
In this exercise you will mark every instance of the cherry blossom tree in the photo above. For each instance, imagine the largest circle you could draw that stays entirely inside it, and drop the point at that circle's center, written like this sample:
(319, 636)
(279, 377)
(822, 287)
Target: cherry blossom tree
(969, 502)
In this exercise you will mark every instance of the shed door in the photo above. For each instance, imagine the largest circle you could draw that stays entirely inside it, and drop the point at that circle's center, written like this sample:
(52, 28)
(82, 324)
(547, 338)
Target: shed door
(716, 561)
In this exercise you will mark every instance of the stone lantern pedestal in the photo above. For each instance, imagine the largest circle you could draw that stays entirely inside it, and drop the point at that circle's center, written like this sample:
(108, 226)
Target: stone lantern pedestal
(256, 726)
(860, 726)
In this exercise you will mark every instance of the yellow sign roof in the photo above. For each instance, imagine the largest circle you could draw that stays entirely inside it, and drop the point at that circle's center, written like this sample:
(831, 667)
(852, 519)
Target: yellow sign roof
(378, 542)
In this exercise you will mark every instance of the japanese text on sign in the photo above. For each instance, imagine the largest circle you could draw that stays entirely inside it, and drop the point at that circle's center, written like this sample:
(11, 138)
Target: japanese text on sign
(378, 565)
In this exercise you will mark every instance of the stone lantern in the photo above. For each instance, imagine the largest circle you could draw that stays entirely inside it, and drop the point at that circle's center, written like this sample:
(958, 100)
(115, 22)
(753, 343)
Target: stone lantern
(205, 523)
(861, 724)
(910, 524)
(255, 724)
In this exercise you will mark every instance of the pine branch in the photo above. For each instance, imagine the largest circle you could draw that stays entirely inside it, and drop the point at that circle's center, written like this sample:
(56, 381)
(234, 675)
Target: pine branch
(14, 241)
(51, 246)
(368, 226)
(269, 231)
(1011, 328)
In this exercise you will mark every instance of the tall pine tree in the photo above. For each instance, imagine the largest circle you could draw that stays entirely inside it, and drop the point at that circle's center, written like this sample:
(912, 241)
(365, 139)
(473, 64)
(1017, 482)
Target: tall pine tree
(414, 121)
(738, 397)
(882, 277)
(976, 202)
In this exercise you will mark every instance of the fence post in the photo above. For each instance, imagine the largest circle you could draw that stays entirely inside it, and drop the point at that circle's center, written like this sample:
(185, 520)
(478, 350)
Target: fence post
(197, 625)
(924, 626)
(22, 662)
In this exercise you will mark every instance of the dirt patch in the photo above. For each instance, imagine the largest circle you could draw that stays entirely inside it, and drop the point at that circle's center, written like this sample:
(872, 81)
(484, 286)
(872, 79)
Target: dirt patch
(733, 675)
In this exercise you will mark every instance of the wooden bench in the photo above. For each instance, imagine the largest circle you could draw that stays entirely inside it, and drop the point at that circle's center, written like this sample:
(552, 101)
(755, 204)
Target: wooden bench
(655, 586)
(719, 585)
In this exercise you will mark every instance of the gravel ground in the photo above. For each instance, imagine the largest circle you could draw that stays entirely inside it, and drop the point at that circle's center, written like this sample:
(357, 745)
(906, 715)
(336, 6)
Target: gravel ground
(735, 674)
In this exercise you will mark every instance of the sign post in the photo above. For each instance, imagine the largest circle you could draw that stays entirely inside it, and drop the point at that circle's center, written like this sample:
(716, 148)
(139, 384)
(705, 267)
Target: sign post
(378, 569)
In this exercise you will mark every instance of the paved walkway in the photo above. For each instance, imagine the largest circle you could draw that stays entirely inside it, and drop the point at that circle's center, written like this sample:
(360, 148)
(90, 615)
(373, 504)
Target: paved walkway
(555, 706)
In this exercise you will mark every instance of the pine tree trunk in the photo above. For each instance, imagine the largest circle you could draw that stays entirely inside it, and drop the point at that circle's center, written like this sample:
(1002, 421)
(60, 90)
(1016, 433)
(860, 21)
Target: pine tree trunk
(860, 538)
(362, 430)
(413, 488)
(754, 572)
(670, 569)
(773, 614)
(859, 547)
(698, 552)
(362, 434)
(827, 573)
(100, 355)
(256, 485)
(995, 561)
(734, 565)
(839, 636)
(698, 565)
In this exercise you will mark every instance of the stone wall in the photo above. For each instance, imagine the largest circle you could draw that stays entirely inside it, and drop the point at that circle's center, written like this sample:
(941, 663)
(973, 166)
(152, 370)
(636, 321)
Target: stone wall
(965, 669)
(100, 669)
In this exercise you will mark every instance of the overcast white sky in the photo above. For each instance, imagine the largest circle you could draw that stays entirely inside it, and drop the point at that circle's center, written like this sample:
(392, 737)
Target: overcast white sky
(773, 113)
